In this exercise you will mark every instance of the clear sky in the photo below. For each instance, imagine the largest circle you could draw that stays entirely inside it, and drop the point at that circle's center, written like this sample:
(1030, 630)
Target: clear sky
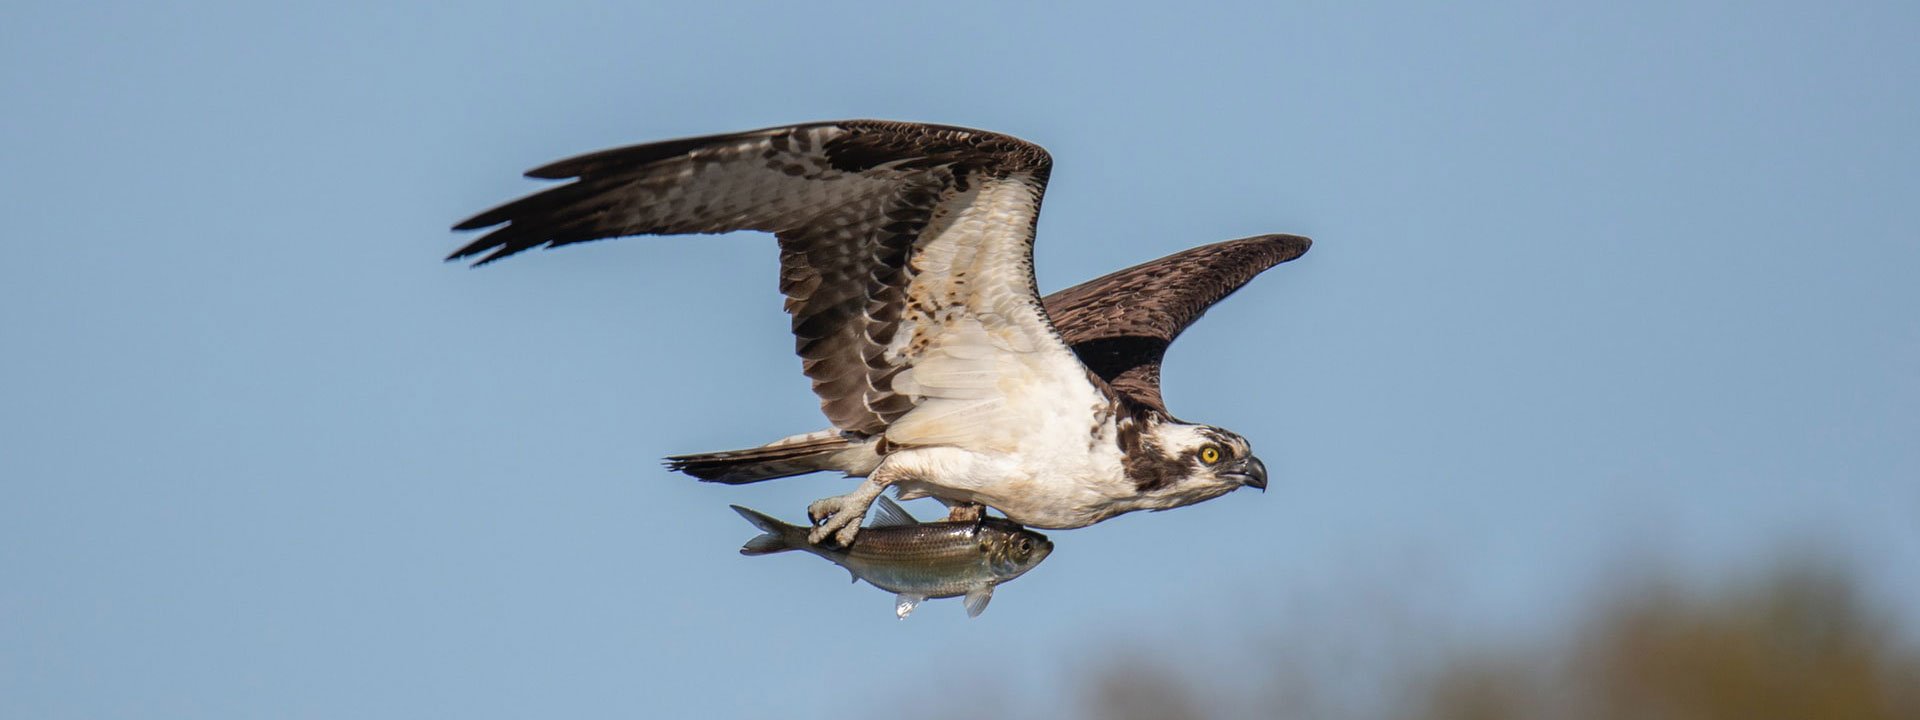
(1593, 284)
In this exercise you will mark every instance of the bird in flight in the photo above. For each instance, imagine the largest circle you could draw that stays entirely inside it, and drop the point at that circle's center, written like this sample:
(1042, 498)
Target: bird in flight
(906, 259)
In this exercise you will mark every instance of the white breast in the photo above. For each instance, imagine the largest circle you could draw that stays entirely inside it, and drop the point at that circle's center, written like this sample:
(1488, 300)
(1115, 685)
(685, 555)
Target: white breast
(1004, 412)
(1066, 471)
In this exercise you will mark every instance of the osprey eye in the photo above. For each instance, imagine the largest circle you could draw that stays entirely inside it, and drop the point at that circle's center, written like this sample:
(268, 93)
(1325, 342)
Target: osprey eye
(1210, 454)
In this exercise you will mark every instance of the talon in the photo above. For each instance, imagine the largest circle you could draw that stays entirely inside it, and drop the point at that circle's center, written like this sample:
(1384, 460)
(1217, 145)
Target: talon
(823, 510)
(966, 512)
(826, 515)
(842, 515)
(846, 534)
(817, 536)
(839, 517)
(837, 527)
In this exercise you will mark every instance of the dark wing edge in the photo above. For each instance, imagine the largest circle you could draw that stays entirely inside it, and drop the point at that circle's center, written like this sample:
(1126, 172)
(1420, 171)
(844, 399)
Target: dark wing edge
(615, 193)
(1121, 324)
(847, 199)
(770, 179)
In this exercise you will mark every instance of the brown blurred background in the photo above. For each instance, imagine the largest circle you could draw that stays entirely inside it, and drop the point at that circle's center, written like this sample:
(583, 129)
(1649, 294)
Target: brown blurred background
(1794, 640)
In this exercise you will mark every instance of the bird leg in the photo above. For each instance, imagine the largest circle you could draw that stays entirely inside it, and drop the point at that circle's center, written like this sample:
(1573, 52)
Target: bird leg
(839, 517)
(966, 512)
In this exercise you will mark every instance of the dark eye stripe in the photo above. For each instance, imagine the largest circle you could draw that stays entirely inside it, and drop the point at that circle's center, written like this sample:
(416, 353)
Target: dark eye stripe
(1230, 444)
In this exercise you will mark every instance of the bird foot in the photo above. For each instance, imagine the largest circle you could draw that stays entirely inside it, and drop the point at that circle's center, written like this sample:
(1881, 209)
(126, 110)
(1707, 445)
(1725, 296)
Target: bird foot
(966, 512)
(839, 517)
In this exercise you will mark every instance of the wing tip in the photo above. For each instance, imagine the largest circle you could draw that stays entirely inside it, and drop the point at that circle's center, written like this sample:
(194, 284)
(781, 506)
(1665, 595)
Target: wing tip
(498, 249)
(1267, 250)
(475, 223)
(558, 170)
(1291, 245)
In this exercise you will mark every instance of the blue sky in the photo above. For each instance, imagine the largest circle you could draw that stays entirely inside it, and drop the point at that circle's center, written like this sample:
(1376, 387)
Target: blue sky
(1593, 287)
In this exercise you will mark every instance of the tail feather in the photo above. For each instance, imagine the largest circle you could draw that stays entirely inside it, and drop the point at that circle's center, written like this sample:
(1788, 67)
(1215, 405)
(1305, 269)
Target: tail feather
(775, 536)
(794, 456)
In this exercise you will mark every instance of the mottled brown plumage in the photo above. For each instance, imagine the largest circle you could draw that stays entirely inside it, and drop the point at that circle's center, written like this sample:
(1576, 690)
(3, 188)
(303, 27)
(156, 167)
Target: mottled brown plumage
(1120, 324)
(847, 201)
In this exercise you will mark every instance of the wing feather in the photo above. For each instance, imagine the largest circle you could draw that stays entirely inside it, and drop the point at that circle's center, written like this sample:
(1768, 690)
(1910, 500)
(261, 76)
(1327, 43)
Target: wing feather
(906, 257)
(1121, 324)
(767, 180)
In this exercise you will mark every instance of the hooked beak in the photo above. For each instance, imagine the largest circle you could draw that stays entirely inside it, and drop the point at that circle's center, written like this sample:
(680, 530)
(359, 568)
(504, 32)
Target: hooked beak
(1250, 472)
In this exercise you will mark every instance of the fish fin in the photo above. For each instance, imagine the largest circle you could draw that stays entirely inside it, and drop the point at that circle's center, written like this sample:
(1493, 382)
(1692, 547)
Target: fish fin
(977, 598)
(888, 513)
(773, 540)
(852, 577)
(904, 603)
(765, 544)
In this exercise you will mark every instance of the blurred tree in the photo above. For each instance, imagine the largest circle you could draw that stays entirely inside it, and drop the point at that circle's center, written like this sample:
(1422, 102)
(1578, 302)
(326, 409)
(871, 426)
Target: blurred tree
(1479, 691)
(1133, 689)
(1799, 644)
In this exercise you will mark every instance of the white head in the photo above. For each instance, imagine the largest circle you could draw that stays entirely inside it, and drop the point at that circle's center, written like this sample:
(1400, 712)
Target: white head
(1174, 463)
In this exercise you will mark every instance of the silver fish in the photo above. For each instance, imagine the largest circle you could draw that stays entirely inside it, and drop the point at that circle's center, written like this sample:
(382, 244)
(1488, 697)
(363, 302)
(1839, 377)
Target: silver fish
(918, 560)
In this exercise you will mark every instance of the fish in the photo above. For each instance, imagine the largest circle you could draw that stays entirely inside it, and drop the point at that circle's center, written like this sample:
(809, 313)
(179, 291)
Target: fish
(917, 560)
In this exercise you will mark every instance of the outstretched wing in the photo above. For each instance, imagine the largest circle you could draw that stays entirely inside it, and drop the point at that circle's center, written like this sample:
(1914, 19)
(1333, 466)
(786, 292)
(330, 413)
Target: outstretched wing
(906, 257)
(1121, 324)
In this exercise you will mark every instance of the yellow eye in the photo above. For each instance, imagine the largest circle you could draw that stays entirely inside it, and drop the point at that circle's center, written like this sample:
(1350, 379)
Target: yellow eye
(1210, 454)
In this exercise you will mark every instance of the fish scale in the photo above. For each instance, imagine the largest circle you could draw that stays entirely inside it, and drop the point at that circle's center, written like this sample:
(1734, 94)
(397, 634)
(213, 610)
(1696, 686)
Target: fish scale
(918, 560)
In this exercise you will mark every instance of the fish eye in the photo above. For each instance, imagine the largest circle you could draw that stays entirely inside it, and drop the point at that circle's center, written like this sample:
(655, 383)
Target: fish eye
(1025, 545)
(1210, 454)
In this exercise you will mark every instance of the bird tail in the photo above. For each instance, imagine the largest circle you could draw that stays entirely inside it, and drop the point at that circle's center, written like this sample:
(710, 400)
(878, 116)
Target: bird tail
(797, 455)
(775, 536)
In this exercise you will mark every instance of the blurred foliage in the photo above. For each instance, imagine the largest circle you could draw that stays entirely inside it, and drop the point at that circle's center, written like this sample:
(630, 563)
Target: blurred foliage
(1798, 643)
(1133, 689)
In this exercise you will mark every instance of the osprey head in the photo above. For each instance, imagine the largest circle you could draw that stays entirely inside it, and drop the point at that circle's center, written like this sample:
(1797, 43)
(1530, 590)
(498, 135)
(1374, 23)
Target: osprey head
(1174, 463)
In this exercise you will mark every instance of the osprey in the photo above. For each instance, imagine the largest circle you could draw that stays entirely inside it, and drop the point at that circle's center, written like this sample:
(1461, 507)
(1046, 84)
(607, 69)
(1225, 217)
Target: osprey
(906, 257)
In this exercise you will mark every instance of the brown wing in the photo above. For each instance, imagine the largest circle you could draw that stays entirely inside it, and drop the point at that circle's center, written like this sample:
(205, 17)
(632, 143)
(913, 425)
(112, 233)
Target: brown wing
(861, 208)
(1121, 324)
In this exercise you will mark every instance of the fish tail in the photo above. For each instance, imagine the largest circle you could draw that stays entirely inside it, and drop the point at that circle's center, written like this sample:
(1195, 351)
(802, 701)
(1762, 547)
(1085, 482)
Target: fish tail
(775, 536)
